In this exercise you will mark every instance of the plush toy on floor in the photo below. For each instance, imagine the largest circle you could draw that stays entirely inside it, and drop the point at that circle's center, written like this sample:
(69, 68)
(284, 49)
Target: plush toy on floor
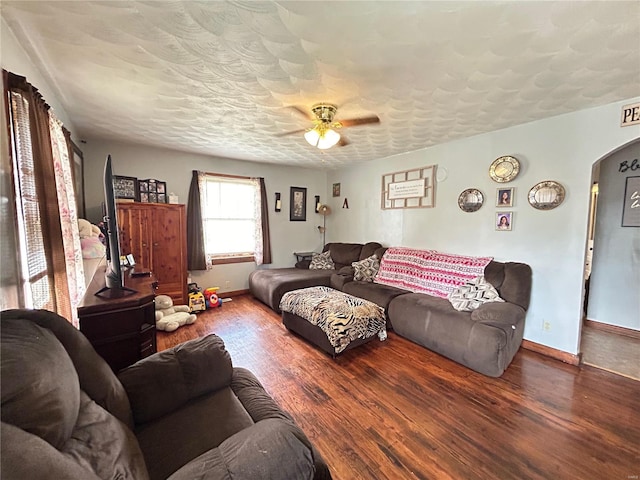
(169, 316)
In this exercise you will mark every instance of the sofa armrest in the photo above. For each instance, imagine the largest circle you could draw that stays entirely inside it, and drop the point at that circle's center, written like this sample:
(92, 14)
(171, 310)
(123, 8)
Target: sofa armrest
(163, 382)
(254, 398)
(342, 276)
(499, 314)
(268, 450)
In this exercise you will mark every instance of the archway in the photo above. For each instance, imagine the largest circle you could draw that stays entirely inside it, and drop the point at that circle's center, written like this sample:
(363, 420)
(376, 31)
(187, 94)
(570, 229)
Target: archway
(610, 336)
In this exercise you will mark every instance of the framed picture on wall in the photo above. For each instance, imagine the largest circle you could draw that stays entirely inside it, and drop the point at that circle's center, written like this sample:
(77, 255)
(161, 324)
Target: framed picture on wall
(298, 204)
(504, 221)
(504, 197)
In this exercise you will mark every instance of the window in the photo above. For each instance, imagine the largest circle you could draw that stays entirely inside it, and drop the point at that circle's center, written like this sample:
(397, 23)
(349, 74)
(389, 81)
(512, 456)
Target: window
(230, 217)
(46, 260)
(36, 287)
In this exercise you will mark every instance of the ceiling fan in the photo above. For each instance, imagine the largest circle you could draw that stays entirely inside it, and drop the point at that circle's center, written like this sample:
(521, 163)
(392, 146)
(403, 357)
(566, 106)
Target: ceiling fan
(323, 134)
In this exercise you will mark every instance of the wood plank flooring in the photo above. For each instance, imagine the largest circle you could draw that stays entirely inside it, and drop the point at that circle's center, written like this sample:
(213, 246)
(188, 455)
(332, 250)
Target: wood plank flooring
(611, 351)
(395, 410)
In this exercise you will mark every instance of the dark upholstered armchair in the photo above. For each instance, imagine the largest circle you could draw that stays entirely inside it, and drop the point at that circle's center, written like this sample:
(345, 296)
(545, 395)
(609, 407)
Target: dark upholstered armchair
(184, 413)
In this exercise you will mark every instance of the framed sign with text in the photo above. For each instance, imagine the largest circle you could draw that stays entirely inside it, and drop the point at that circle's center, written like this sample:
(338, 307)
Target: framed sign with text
(631, 204)
(414, 188)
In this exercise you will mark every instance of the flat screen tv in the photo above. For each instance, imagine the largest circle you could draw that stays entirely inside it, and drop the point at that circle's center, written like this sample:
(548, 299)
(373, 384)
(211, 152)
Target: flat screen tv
(113, 277)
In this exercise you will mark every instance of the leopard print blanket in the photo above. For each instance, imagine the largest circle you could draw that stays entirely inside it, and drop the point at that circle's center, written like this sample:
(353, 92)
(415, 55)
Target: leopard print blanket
(342, 317)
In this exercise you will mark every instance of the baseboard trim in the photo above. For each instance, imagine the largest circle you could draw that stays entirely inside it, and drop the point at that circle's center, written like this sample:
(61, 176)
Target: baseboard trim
(235, 293)
(554, 353)
(605, 327)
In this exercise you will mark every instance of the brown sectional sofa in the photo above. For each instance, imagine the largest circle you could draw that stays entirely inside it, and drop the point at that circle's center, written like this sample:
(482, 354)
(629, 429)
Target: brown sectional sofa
(269, 285)
(485, 340)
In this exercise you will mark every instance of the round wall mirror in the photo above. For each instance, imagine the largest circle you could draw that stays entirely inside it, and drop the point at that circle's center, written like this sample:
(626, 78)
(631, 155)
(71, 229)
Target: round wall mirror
(546, 195)
(470, 200)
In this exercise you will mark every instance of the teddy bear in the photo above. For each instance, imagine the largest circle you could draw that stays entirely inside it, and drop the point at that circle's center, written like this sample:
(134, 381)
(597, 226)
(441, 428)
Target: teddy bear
(169, 316)
(90, 239)
(88, 229)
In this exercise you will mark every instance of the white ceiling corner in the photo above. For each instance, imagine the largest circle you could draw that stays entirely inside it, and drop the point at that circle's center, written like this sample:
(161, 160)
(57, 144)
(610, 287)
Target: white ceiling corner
(216, 77)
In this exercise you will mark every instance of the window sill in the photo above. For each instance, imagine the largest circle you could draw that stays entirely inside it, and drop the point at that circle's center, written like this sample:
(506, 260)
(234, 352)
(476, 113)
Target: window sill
(227, 260)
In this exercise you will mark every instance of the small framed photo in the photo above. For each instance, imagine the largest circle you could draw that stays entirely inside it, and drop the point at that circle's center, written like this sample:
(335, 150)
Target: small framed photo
(336, 189)
(153, 197)
(143, 185)
(298, 205)
(125, 187)
(504, 197)
(504, 221)
(161, 187)
(144, 197)
(162, 198)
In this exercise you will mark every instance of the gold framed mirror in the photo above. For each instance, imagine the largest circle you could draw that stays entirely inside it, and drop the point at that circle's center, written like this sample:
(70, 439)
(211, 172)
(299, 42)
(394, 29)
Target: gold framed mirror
(470, 200)
(546, 195)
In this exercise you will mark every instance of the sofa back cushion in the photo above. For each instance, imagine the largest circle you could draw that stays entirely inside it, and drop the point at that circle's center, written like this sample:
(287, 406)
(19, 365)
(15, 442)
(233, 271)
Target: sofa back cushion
(369, 249)
(40, 388)
(344, 254)
(191, 369)
(512, 280)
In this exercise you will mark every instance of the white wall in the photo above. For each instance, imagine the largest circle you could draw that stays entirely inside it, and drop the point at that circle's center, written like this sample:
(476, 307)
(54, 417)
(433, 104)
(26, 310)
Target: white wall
(562, 148)
(614, 294)
(15, 59)
(175, 168)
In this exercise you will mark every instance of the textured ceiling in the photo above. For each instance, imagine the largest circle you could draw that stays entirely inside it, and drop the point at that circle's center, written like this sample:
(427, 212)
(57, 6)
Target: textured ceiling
(216, 77)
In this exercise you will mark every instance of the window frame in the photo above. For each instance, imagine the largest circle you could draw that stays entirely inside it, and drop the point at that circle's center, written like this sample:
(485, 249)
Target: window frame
(225, 258)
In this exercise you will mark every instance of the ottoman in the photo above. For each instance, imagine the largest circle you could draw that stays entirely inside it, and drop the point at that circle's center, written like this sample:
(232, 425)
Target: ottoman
(332, 320)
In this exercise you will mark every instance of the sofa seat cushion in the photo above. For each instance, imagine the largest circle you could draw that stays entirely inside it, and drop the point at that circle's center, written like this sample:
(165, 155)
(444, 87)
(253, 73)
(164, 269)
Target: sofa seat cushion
(219, 416)
(374, 292)
(270, 285)
(433, 323)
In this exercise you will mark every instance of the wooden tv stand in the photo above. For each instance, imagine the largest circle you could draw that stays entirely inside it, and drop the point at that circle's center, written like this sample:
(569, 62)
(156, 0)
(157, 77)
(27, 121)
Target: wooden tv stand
(122, 330)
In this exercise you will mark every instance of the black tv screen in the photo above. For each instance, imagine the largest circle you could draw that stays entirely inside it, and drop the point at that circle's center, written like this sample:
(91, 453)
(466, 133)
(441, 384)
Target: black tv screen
(114, 280)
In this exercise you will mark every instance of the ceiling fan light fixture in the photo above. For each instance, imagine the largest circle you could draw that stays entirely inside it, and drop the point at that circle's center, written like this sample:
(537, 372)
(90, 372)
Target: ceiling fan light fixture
(322, 138)
(328, 140)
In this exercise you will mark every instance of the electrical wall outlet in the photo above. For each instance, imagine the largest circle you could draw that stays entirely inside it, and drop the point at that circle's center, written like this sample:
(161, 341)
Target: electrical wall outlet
(546, 326)
(227, 284)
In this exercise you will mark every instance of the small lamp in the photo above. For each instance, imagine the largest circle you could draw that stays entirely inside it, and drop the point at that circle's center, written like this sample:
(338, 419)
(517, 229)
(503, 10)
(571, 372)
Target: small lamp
(324, 210)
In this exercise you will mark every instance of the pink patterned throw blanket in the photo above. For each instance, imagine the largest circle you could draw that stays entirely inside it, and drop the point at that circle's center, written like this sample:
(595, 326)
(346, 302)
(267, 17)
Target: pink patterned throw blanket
(428, 271)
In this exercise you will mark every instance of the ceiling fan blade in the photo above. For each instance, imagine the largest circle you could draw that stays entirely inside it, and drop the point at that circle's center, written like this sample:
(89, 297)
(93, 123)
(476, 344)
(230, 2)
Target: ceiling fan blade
(352, 122)
(305, 113)
(343, 142)
(291, 133)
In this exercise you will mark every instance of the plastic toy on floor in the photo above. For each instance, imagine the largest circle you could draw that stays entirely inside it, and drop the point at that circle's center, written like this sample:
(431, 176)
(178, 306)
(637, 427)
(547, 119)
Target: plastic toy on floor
(197, 302)
(211, 297)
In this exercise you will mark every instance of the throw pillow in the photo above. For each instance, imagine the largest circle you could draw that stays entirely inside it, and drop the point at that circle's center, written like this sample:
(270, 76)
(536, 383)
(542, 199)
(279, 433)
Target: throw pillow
(471, 295)
(321, 261)
(367, 269)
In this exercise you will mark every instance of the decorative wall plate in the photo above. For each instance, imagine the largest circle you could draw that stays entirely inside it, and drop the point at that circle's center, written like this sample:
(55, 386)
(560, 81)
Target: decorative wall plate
(470, 200)
(546, 195)
(504, 169)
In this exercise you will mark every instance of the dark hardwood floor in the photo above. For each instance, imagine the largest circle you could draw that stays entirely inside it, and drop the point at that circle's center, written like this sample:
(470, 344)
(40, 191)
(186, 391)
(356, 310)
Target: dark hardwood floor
(394, 410)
